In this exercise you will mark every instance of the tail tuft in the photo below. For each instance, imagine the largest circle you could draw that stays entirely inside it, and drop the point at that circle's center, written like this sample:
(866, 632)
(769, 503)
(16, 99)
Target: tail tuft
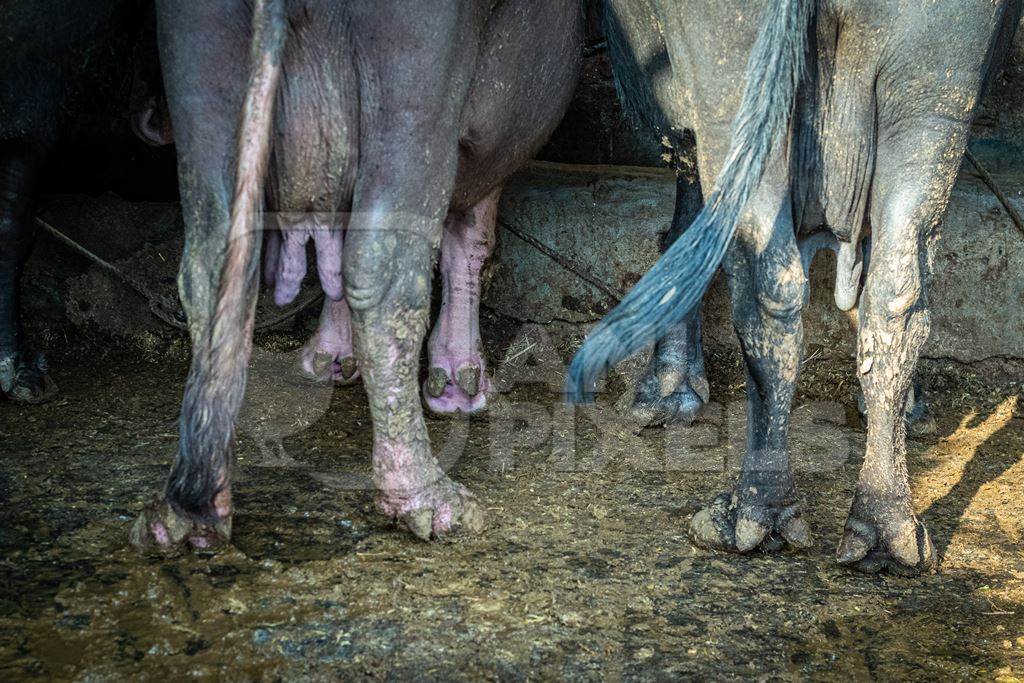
(216, 383)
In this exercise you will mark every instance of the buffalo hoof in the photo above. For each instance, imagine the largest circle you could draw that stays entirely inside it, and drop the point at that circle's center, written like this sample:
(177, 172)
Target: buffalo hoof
(439, 511)
(24, 379)
(667, 397)
(888, 539)
(323, 365)
(727, 524)
(454, 387)
(161, 531)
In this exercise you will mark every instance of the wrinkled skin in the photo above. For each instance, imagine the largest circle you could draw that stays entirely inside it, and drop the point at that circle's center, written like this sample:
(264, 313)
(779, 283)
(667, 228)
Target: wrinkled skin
(46, 86)
(879, 130)
(446, 103)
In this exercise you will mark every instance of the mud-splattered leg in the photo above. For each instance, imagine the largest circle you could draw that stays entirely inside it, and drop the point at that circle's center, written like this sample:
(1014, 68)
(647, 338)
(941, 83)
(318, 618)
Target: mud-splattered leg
(674, 387)
(406, 178)
(882, 531)
(389, 321)
(23, 372)
(457, 381)
(768, 295)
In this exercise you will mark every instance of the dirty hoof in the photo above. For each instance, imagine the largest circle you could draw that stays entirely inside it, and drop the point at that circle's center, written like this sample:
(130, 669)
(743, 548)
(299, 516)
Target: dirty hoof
(727, 524)
(442, 510)
(668, 397)
(24, 379)
(159, 530)
(449, 391)
(323, 365)
(897, 543)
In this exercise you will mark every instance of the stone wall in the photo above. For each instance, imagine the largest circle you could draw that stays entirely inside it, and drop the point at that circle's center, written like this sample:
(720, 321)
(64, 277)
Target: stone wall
(609, 221)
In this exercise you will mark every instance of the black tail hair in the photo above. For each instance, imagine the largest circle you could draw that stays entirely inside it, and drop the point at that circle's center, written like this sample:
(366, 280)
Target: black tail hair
(216, 383)
(678, 280)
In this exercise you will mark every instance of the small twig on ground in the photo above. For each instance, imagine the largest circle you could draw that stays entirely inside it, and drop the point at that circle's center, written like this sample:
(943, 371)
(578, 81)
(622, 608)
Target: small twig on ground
(595, 49)
(519, 353)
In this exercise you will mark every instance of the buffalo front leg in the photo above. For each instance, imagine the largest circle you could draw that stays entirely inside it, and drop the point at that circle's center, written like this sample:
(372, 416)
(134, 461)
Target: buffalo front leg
(768, 295)
(674, 386)
(457, 381)
(328, 357)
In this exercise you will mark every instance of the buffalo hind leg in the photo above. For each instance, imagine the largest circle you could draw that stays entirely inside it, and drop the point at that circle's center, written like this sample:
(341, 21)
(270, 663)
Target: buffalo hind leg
(195, 509)
(390, 314)
(768, 294)
(882, 531)
(409, 152)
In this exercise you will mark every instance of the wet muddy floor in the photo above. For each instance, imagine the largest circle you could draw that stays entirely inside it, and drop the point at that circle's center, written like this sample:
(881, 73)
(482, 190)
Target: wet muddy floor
(585, 570)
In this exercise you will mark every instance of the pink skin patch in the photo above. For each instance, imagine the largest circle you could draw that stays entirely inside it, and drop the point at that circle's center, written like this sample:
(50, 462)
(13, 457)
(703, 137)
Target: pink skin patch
(289, 261)
(457, 380)
(328, 356)
(160, 534)
(408, 482)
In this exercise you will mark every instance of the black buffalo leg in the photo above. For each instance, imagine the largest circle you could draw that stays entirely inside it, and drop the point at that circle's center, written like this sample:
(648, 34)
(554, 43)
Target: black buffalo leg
(674, 386)
(768, 294)
(23, 372)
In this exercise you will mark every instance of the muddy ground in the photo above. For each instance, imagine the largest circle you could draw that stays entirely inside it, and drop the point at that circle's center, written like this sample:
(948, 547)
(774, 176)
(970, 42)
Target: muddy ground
(585, 570)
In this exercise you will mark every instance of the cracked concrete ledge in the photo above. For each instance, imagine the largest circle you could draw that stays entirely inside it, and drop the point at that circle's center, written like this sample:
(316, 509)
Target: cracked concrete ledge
(608, 219)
